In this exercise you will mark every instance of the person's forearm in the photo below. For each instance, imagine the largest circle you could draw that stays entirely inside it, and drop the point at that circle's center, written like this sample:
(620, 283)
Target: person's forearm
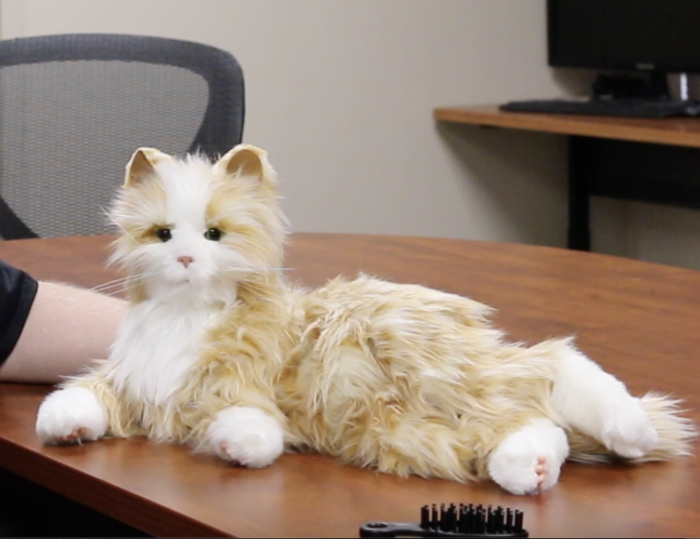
(67, 327)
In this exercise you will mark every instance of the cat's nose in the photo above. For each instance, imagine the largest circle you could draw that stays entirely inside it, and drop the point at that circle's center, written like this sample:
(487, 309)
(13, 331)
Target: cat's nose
(185, 260)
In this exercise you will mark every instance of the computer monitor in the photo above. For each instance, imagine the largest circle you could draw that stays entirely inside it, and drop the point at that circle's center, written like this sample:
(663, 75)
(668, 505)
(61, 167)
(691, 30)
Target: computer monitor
(654, 36)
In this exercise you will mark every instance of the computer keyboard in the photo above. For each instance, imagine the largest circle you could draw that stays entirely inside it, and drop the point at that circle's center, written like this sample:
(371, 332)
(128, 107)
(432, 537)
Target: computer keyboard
(626, 107)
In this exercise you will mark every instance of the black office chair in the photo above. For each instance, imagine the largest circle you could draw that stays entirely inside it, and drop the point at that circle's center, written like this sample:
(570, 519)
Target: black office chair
(73, 108)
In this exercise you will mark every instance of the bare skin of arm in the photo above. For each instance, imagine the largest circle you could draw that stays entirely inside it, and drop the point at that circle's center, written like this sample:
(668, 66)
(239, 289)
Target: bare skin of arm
(67, 327)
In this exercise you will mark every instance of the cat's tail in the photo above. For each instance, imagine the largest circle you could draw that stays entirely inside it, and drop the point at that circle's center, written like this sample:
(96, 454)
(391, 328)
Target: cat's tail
(676, 434)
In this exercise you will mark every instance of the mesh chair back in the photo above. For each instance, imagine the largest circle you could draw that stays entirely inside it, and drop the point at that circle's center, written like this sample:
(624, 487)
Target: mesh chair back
(73, 108)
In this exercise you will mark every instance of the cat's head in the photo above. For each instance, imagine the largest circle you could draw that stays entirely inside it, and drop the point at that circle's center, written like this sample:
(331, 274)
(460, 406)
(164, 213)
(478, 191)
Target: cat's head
(196, 228)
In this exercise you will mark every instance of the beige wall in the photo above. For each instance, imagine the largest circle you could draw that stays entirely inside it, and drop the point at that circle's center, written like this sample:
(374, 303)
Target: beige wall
(340, 92)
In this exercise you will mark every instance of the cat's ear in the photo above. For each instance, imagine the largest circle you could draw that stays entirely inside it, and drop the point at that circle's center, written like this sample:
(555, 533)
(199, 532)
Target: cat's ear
(142, 164)
(249, 161)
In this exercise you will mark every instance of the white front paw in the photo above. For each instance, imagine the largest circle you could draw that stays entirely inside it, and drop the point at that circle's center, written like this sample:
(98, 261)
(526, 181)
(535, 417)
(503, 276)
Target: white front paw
(246, 436)
(71, 415)
(627, 429)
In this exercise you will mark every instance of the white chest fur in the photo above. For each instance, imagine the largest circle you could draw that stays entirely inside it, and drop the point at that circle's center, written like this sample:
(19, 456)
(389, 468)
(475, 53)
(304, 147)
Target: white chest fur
(155, 348)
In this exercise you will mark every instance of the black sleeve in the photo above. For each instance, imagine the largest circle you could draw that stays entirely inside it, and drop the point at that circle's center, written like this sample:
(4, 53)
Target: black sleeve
(17, 293)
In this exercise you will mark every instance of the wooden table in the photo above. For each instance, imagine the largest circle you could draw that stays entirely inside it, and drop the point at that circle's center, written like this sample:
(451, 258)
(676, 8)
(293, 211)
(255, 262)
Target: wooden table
(639, 320)
(648, 160)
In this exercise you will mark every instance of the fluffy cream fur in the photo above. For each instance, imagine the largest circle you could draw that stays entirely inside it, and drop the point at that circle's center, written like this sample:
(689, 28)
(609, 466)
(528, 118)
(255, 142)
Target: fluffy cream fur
(220, 352)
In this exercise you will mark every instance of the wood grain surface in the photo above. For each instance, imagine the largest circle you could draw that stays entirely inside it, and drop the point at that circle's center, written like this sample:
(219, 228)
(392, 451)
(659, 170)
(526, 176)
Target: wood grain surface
(673, 131)
(639, 320)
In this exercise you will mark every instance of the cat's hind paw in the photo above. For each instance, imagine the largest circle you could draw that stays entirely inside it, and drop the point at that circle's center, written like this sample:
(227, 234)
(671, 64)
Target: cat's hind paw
(627, 429)
(246, 436)
(71, 415)
(529, 460)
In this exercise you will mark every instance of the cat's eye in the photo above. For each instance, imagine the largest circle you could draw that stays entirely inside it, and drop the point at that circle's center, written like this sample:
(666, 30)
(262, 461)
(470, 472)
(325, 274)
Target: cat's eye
(163, 234)
(213, 234)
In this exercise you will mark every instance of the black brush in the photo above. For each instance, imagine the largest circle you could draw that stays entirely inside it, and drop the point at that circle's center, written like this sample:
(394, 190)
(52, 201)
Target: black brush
(453, 521)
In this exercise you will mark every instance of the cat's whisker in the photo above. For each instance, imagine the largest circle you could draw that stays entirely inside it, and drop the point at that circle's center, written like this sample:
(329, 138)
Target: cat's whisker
(111, 283)
(124, 280)
(253, 286)
(267, 286)
(126, 285)
(119, 293)
(114, 293)
(266, 292)
(115, 223)
(129, 286)
(101, 288)
(257, 270)
(128, 278)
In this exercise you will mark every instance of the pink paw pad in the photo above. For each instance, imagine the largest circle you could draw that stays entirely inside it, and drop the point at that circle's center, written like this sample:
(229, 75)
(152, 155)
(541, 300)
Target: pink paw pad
(73, 437)
(223, 446)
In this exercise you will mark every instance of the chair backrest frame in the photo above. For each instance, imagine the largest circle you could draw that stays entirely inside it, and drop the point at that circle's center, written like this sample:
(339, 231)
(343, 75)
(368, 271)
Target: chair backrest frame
(221, 71)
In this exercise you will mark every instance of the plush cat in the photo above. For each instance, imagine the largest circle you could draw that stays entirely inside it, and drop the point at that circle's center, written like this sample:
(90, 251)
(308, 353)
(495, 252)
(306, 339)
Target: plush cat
(218, 351)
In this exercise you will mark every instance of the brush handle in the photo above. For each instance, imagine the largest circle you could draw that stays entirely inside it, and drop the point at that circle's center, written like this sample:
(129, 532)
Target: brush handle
(409, 529)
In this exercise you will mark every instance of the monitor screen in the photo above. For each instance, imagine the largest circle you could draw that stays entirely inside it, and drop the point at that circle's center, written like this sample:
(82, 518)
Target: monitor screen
(649, 35)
